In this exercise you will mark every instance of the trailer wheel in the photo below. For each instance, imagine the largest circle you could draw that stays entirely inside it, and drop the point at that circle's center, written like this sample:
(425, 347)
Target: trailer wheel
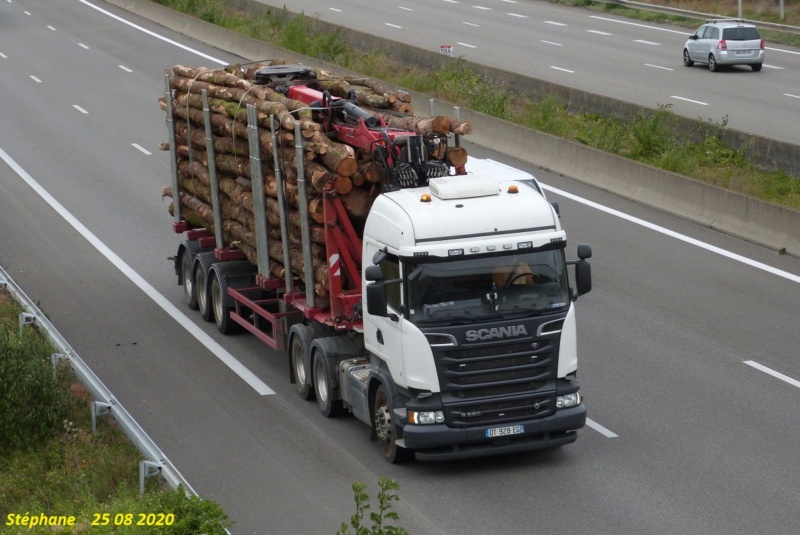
(203, 297)
(222, 314)
(301, 341)
(187, 281)
(386, 430)
(322, 387)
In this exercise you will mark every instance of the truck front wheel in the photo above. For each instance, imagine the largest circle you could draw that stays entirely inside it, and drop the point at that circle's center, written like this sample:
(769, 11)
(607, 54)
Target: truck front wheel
(385, 429)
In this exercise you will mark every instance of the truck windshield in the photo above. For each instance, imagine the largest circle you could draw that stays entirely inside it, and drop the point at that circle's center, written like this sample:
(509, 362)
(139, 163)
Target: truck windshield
(480, 288)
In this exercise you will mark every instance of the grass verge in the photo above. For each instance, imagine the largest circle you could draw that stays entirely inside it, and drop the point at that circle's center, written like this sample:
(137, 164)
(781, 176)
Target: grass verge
(56, 471)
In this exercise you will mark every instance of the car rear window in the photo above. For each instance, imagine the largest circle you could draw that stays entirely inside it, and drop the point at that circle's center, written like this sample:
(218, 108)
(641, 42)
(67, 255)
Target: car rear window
(740, 34)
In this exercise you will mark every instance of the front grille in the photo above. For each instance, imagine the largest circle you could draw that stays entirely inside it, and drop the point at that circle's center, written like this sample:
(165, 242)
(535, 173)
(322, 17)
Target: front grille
(498, 381)
(497, 412)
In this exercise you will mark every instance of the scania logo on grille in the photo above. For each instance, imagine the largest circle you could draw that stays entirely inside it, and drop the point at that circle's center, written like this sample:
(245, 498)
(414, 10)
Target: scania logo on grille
(496, 332)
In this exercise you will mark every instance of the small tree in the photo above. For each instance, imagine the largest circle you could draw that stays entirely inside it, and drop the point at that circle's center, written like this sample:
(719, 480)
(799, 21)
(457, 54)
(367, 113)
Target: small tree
(386, 495)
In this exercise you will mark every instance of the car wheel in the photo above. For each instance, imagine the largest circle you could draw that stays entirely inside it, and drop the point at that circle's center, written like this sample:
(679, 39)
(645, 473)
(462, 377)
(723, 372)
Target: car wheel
(712, 63)
(756, 67)
(687, 61)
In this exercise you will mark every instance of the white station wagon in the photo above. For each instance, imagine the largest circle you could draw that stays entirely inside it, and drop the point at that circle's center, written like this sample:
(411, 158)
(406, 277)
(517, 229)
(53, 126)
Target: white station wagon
(725, 42)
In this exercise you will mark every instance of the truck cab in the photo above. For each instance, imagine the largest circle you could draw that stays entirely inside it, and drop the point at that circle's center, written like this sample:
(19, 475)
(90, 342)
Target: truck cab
(469, 323)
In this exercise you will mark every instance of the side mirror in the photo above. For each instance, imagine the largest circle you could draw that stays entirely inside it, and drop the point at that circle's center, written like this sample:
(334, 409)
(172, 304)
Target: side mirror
(583, 277)
(373, 273)
(584, 251)
(376, 299)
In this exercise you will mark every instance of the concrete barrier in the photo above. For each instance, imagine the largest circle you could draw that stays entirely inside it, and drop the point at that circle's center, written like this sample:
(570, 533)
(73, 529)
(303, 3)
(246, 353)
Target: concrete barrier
(757, 221)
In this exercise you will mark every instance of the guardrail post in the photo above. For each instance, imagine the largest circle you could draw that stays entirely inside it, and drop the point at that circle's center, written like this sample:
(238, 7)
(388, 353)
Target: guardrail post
(147, 469)
(55, 357)
(26, 318)
(99, 408)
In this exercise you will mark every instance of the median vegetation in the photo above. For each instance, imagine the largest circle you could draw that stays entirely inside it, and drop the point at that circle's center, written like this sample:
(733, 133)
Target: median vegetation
(56, 476)
(651, 137)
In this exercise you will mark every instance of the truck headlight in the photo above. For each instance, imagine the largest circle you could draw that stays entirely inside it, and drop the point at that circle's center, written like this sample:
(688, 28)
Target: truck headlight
(425, 417)
(568, 400)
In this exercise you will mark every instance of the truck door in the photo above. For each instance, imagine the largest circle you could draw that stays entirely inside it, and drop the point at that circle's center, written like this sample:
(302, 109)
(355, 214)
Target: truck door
(383, 335)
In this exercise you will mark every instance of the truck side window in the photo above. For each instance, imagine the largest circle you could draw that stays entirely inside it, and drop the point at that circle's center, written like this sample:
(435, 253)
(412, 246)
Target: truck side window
(391, 270)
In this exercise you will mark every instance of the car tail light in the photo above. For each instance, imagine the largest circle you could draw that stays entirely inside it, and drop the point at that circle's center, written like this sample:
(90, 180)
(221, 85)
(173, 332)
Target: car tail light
(762, 44)
(722, 45)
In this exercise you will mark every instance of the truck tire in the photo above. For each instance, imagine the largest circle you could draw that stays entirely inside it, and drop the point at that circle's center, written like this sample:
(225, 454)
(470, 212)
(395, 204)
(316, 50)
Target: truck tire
(222, 314)
(323, 389)
(187, 281)
(386, 430)
(301, 337)
(203, 295)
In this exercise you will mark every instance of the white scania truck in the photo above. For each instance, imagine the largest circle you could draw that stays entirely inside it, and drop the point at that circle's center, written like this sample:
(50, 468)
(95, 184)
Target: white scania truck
(449, 322)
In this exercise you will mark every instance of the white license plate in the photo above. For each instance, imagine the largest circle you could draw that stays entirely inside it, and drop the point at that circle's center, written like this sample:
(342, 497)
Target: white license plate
(503, 431)
(743, 52)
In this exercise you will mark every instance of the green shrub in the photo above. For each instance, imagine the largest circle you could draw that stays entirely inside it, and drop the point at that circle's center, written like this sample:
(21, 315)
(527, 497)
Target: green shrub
(386, 496)
(32, 405)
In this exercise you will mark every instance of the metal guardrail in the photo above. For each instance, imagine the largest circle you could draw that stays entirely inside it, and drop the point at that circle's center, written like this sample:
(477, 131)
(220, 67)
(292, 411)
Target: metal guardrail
(697, 15)
(155, 462)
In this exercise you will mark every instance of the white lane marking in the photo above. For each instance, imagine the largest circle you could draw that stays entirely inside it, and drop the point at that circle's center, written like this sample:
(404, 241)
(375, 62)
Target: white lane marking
(472, 24)
(80, 109)
(774, 67)
(598, 32)
(51, 28)
(334, 9)
(708, 247)
(560, 69)
(27, 13)
(770, 371)
(483, 8)
(452, 1)
(124, 68)
(790, 95)
(554, 23)
(658, 67)
(550, 42)
(85, 47)
(35, 79)
(517, 15)
(639, 25)
(393, 25)
(690, 100)
(153, 34)
(781, 50)
(228, 359)
(642, 41)
(466, 45)
(142, 149)
(3, 56)
(600, 429)
(406, 8)
(510, 1)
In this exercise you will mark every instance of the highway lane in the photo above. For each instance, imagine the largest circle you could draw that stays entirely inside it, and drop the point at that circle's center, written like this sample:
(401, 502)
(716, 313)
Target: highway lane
(664, 336)
(630, 60)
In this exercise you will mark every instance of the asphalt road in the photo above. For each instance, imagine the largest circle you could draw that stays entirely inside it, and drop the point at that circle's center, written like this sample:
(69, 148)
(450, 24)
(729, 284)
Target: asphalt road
(634, 61)
(686, 436)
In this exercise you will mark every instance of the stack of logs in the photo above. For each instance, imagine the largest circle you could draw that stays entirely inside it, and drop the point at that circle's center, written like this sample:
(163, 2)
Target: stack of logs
(350, 171)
